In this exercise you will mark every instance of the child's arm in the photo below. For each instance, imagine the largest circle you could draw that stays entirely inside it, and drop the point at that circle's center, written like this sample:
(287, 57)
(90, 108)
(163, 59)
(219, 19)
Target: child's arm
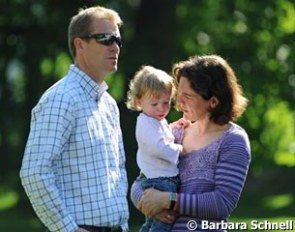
(153, 138)
(177, 128)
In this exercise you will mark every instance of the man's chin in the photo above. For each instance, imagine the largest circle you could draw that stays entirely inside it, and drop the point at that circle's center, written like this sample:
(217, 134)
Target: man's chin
(113, 69)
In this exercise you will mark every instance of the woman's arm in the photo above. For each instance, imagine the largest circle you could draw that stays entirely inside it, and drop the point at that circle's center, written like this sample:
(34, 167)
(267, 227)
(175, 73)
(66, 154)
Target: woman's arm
(158, 211)
(136, 193)
(230, 176)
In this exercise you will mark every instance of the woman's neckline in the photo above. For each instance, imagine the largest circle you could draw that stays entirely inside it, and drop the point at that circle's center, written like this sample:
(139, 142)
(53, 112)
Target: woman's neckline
(231, 125)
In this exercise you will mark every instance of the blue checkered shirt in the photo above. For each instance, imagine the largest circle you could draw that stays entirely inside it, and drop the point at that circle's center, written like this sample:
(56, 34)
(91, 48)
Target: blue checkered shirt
(73, 169)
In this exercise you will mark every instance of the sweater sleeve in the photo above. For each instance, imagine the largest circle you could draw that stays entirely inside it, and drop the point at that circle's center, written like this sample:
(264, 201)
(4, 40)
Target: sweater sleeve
(178, 133)
(230, 175)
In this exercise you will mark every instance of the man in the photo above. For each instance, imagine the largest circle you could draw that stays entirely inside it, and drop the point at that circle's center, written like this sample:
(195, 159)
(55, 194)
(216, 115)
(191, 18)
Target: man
(73, 169)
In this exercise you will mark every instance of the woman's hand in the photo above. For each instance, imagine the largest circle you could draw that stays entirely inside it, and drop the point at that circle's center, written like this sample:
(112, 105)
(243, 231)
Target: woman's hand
(166, 216)
(153, 202)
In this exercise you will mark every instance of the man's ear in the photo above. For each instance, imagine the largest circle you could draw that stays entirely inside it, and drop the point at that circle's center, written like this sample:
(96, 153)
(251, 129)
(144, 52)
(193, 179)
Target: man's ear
(78, 43)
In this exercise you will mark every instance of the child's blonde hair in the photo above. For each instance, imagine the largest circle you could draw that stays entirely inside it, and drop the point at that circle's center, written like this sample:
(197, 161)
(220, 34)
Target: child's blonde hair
(151, 81)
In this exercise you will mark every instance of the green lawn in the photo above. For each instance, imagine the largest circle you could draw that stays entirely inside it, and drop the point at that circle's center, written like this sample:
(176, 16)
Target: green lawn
(17, 221)
(22, 223)
(266, 200)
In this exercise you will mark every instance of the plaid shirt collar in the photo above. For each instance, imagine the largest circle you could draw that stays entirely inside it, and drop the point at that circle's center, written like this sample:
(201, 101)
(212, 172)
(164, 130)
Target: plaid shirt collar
(91, 87)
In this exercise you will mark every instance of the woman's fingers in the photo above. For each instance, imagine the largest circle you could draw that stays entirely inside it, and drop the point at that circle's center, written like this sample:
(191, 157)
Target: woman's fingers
(153, 202)
(166, 217)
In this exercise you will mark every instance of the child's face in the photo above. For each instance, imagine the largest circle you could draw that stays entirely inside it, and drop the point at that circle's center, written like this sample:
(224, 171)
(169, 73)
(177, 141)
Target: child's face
(157, 108)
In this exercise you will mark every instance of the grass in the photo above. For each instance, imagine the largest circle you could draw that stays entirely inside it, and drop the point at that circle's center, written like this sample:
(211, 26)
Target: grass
(24, 223)
(268, 199)
(19, 220)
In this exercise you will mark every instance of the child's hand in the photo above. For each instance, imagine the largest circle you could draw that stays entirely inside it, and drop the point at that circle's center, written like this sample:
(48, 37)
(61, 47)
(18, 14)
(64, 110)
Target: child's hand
(180, 123)
(183, 152)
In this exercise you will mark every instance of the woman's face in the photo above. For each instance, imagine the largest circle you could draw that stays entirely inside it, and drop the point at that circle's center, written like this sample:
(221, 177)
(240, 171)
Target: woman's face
(193, 106)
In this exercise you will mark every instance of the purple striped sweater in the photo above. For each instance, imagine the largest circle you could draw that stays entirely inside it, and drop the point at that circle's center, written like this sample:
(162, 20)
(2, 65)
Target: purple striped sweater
(212, 179)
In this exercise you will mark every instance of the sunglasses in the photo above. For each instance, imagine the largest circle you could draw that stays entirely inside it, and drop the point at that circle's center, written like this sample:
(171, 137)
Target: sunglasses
(105, 39)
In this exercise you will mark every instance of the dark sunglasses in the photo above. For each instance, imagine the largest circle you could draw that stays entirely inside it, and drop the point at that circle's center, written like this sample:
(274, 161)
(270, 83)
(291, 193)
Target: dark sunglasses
(105, 39)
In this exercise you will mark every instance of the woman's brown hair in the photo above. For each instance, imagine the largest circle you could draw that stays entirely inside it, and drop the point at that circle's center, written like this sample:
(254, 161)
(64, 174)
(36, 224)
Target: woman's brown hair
(211, 76)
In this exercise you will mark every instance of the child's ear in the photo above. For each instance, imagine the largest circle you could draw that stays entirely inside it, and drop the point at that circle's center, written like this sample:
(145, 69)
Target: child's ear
(137, 103)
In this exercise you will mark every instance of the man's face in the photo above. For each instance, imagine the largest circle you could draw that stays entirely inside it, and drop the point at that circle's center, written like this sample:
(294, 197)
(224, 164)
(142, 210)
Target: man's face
(96, 59)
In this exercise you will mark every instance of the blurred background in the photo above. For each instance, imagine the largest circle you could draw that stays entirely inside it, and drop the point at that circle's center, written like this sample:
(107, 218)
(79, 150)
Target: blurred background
(256, 37)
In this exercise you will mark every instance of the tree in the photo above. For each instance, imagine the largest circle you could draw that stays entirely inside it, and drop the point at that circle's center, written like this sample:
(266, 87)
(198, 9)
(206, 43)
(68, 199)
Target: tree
(256, 37)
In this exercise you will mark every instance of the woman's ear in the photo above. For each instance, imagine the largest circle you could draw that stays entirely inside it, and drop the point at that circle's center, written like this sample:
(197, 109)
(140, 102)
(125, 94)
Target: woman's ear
(213, 102)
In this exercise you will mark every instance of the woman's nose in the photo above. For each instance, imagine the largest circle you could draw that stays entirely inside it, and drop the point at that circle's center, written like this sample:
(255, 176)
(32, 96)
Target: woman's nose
(179, 101)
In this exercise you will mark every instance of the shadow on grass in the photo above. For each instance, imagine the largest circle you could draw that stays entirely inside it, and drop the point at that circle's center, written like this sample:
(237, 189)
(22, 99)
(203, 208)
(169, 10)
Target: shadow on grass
(18, 220)
(269, 195)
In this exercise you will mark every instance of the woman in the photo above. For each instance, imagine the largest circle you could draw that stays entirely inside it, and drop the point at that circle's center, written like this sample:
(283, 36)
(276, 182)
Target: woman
(213, 172)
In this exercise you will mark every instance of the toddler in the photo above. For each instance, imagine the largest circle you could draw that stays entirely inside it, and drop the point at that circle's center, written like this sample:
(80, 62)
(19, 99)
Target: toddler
(151, 92)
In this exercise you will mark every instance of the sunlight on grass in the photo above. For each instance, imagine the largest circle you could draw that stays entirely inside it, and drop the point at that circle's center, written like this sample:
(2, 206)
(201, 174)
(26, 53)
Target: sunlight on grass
(286, 158)
(278, 201)
(116, 84)
(62, 62)
(287, 222)
(35, 223)
(8, 199)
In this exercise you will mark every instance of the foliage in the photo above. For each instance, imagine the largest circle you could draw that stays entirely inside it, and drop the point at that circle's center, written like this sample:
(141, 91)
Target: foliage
(256, 37)
(281, 143)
